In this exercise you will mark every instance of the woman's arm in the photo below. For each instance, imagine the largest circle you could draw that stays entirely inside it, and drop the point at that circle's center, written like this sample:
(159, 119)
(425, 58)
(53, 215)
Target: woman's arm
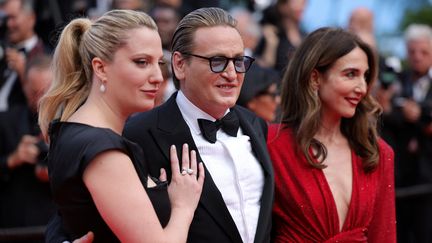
(125, 206)
(383, 225)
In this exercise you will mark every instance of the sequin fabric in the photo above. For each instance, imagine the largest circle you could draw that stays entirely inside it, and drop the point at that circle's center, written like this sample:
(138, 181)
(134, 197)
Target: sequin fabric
(305, 211)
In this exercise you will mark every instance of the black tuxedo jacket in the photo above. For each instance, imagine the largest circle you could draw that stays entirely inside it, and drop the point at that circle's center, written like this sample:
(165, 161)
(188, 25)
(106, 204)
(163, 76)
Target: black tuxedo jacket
(155, 131)
(412, 168)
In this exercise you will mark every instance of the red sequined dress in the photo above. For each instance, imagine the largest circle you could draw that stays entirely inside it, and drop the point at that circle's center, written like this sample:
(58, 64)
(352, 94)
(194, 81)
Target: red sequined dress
(305, 211)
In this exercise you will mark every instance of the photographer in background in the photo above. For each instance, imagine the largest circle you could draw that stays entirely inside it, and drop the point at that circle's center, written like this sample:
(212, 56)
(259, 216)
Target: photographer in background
(410, 118)
(19, 44)
(361, 23)
(260, 93)
(24, 190)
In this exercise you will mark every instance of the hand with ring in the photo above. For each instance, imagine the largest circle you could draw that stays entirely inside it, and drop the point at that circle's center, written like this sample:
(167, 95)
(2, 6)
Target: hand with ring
(187, 171)
(185, 191)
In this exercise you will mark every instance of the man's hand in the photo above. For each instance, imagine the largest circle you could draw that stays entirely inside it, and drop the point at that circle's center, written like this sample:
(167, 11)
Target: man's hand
(411, 111)
(26, 152)
(16, 61)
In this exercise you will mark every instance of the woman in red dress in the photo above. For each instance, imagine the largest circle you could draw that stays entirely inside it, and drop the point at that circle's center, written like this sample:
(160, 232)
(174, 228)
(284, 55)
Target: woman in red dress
(334, 176)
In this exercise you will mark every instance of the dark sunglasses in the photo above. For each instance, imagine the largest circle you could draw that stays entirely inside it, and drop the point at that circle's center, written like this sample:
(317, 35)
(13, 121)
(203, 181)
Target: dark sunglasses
(219, 63)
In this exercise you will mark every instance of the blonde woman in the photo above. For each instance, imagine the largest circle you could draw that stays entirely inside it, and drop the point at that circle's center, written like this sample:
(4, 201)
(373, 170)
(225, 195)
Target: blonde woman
(105, 71)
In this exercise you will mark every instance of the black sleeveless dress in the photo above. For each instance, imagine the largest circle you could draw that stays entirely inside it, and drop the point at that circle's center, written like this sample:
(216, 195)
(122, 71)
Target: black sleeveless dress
(73, 146)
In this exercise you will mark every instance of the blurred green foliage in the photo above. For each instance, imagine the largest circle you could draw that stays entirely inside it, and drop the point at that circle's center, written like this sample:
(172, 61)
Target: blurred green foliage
(419, 16)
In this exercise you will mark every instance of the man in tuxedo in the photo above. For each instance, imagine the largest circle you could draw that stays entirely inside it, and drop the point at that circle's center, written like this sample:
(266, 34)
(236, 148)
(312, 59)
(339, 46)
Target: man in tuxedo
(209, 65)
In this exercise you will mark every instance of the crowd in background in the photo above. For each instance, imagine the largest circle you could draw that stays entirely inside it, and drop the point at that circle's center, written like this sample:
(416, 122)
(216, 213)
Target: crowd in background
(28, 34)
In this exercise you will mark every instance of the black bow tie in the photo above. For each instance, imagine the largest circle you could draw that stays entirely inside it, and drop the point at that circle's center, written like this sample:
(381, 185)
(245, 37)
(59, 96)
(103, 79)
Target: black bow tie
(229, 124)
(22, 50)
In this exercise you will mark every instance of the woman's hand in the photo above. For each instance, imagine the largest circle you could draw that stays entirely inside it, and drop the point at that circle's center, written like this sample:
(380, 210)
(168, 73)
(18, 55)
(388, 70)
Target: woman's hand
(87, 238)
(186, 183)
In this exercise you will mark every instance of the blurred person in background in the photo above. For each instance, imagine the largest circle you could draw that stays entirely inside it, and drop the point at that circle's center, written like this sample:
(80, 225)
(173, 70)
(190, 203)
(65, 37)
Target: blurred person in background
(361, 23)
(186, 6)
(362, 20)
(19, 44)
(166, 88)
(25, 198)
(259, 92)
(249, 29)
(166, 18)
(410, 117)
(260, 89)
(142, 5)
(177, 4)
(281, 33)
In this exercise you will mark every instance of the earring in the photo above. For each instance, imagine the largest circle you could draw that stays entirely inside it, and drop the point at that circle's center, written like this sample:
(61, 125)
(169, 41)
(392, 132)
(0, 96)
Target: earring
(102, 88)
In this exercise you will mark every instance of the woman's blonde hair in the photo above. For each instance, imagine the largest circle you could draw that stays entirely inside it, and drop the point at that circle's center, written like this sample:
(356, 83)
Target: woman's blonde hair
(81, 41)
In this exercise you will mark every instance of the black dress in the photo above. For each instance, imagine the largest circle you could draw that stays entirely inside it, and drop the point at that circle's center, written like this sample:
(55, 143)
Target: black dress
(73, 146)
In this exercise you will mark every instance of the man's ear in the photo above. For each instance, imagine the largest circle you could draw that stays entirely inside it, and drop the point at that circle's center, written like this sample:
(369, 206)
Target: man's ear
(315, 79)
(99, 68)
(178, 65)
(31, 19)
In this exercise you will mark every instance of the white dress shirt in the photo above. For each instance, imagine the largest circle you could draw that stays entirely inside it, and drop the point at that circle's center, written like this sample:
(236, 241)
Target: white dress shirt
(421, 87)
(236, 172)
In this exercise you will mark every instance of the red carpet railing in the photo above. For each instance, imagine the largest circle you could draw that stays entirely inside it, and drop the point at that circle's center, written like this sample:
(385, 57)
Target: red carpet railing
(23, 234)
(413, 191)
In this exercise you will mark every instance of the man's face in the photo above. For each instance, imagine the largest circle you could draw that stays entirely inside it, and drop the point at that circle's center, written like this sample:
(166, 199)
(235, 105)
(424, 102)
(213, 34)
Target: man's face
(129, 4)
(38, 82)
(292, 10)
(212, 92)
(20, 22)
(420, 55)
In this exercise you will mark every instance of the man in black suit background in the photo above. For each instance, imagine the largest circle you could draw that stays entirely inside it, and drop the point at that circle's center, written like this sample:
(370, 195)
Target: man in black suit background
(409, 120)
(18, 45)
(25, 198)
(209, 64)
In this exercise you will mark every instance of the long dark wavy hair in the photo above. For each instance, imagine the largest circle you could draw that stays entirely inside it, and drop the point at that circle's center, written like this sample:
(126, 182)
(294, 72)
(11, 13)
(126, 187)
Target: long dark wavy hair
(301, 106)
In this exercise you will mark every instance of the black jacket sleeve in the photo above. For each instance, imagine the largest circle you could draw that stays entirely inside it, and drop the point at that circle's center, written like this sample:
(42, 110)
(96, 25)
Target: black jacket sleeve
(55, 232)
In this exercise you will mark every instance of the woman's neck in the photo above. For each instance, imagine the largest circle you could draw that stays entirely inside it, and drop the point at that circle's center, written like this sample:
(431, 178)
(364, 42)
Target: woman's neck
(97, 112)
(329, 131)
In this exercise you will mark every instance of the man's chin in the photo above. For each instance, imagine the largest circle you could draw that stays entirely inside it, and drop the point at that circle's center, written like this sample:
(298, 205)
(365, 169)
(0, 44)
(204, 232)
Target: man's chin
(228, 103)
